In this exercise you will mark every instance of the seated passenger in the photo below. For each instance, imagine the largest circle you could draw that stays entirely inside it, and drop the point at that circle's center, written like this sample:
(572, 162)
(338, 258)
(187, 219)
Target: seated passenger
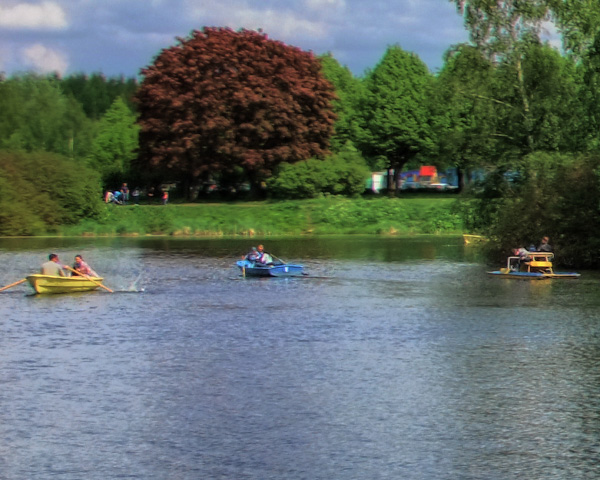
(53, 266)
(522, 257)
(545, 246)
(82, 268)
(253, 255)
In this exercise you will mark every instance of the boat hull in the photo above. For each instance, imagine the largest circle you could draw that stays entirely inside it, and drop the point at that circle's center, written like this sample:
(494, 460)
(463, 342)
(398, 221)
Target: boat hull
(52, 284)
(278, 270)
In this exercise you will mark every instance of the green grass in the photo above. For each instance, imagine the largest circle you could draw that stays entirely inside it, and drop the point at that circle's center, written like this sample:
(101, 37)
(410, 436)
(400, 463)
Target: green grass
(326, 216)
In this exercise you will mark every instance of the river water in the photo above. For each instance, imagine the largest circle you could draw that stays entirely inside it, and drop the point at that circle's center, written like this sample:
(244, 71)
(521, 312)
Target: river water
(394, 359)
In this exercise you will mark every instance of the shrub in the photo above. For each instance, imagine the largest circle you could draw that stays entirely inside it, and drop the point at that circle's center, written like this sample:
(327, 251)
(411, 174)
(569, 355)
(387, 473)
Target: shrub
(41, 191)
(556, 195)
(341, 174)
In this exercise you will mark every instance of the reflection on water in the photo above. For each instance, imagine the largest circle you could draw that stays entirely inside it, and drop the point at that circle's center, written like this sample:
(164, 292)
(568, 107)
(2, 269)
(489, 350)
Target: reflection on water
(395, 359)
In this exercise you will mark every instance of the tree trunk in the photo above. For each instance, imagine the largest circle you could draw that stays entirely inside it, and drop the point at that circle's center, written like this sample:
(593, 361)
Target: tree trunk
(391, 181)
(461, 179)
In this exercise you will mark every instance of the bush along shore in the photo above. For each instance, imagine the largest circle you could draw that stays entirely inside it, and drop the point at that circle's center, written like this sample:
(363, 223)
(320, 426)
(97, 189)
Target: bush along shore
(326, 216)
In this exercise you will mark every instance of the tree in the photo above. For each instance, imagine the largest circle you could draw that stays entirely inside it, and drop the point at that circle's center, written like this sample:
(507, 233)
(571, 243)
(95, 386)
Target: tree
(221, 100)
(578, 22)
(396, 116)
(349, 91)
(537, 90)
(590, 94)
(41, 191)
(465, 110)
(37, 116)
(501, 29)
(116, 143)
(96, 93)
(552, 86)
(497, 27)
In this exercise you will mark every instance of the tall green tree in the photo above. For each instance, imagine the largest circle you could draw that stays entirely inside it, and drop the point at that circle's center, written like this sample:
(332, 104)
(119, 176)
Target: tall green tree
(396, 116)
(501, 30)
(37, 116)
(116, 143)
(349, 91)
(464, 111)
(552, 85)
(221, 101)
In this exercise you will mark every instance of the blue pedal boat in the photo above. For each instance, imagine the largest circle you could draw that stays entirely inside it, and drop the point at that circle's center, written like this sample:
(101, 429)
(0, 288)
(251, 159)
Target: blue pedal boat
(252, 269)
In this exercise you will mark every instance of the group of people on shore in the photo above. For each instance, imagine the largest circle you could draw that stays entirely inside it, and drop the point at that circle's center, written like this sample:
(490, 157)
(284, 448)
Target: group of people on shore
(258, 255)
(54, 267)
(123, 195)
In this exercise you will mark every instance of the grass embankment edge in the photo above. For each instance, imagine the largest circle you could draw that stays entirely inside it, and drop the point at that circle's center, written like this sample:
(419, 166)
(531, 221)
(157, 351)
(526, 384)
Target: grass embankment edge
(327, 216)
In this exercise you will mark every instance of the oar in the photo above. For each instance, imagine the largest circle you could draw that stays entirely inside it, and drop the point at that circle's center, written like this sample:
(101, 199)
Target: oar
(88, 278)
(276, 258)
(13, 284)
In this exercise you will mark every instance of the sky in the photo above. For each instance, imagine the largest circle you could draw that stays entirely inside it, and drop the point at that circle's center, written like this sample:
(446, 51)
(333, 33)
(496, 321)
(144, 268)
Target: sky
(120, 37)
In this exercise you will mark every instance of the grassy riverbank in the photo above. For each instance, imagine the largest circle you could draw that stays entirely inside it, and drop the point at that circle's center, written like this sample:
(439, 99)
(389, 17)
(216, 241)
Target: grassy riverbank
(327, 216)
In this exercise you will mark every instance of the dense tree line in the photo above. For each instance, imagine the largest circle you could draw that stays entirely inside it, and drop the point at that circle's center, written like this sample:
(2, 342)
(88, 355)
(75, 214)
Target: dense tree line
(60, 147)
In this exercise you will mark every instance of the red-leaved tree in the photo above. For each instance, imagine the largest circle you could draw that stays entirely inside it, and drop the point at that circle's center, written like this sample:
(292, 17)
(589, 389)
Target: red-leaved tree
(223, 101)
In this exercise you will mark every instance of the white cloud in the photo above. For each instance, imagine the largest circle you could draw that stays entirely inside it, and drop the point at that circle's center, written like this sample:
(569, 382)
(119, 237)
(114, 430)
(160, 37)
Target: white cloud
(46, 15)
(320, 5)
(279, 24)
(45, 60)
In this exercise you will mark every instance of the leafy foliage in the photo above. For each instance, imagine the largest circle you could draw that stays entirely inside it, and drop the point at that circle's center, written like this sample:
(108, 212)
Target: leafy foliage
(396, 117)
(41, 191)
(497, 27)
(341, 174)
(222, 99)
(115, 144)
(96, 93)
(349, 91)
(579, 24)
(464, 110)
(36, 116)
(556, 195)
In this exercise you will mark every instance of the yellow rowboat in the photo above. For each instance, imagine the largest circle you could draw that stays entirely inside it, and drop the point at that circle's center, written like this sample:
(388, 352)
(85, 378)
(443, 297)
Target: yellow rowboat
(52, 284)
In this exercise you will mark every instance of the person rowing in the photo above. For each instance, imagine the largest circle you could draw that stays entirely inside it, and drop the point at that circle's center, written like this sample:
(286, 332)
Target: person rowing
(53, 267)
(264, 257)
(81, 268)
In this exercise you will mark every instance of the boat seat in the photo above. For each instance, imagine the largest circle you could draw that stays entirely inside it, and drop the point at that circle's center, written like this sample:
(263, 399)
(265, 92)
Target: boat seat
(540, 264)
(541, 256)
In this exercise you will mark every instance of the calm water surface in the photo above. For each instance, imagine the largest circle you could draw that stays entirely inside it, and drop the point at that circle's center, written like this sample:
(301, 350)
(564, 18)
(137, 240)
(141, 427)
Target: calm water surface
(395, 359)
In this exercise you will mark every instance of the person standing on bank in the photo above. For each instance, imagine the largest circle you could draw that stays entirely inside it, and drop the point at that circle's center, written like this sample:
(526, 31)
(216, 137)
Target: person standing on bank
(53, 267)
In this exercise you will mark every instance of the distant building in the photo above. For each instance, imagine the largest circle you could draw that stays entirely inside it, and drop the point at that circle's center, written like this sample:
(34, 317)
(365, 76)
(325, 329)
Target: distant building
(424, 177)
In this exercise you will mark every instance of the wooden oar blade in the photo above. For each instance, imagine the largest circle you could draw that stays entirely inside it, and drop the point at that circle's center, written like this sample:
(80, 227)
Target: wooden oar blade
(13, 284)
